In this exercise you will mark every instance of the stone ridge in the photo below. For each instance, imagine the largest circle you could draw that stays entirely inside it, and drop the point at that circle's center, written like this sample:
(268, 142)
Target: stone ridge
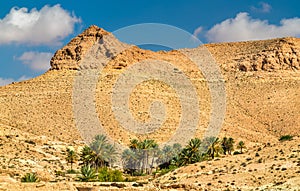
(264, 55)
(69, 57)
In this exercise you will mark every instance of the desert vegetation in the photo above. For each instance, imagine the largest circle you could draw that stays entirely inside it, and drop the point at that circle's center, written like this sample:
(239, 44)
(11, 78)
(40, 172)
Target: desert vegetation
(30, 177)
(285, 138)
(144, 157)
(71, 157)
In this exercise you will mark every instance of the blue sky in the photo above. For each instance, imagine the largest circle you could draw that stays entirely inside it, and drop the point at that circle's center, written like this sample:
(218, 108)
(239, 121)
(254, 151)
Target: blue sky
(31, 31)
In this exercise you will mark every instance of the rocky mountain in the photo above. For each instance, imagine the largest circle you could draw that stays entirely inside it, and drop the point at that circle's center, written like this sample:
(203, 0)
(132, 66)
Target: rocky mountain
(72, 101)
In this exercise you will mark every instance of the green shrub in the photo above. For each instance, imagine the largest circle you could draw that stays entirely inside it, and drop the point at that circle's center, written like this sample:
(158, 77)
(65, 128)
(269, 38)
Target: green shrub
(259, 160)
(130, 179)
(108, 175)
(60, 173)
(138, 173)
(30, 142)
(236, 153)
(164, 171)
(286, 138)
(72, 171)
(88, 174)
(30, 177)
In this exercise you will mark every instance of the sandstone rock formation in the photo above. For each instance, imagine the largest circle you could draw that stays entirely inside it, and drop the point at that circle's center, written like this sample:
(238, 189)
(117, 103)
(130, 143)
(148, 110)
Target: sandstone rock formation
(267, 55)
(70, 56)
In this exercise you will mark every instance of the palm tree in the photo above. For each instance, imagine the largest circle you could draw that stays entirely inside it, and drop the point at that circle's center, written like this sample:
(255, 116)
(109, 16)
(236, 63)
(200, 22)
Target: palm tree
(129, 160)
(99, 144)
(71, 157)
(191, 153)
(105, 152)
(230, 145)
(193, 148)
(176, 148)
(224, 145)
(134, 144)
(153, 153)
(184, 157)
(194, 145)
(141, 155)
(241, 146)
(87, 156)
(166, 154)
(214, 148)
(110, 154)
(227, 145)
(145, 146)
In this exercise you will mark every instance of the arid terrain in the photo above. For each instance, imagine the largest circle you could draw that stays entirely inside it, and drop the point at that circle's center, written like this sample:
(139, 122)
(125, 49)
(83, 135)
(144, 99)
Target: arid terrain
(39, 120)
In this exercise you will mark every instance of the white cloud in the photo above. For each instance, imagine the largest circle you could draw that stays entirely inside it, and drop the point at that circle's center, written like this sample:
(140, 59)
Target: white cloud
(5, 81)
(197, 31)
(47, 26)
(243, 27)
(264, 8)
(38, 61)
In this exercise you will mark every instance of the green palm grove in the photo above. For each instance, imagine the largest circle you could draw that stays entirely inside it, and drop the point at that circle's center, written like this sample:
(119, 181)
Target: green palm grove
(144, 156)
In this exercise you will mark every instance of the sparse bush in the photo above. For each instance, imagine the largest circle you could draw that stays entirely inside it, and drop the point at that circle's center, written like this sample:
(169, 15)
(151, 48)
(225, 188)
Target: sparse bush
(283, 169)
(30, 177)
(108, 175)
(286, 138)
(165, 170)
(72, 171)
(30, 142)
(11, 166)
(259, 160)
(130, 179)
(60, 173)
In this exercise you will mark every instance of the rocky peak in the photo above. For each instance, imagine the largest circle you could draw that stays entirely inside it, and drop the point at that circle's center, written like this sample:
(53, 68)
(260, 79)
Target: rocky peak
(69, 56)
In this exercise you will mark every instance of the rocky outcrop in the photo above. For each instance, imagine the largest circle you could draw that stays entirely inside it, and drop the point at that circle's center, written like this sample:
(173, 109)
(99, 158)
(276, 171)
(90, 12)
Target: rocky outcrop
(265, 55)
(70, 56)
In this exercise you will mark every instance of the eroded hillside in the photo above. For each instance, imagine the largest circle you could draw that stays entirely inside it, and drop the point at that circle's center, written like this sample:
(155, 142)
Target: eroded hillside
(262, 88)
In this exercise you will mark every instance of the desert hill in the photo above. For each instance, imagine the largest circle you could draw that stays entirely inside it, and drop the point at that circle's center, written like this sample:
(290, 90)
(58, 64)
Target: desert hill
(262, 80)
(263, 167)
(262, 87)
